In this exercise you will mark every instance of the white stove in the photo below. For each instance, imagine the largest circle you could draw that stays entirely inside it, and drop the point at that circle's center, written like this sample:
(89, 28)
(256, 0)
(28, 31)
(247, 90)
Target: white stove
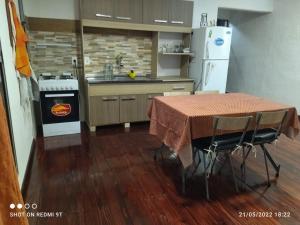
(59, 104)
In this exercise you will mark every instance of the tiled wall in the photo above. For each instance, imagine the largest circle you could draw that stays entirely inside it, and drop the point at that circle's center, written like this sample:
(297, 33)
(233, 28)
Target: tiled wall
(52, 51)
(102, 48)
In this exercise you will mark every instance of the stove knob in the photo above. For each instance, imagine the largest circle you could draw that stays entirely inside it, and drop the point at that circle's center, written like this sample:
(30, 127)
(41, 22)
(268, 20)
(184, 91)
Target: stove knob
(47, 89)
(52, 88)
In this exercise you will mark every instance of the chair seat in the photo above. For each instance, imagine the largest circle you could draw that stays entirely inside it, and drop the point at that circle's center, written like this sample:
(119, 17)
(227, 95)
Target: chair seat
(223, 142)
(262, 136)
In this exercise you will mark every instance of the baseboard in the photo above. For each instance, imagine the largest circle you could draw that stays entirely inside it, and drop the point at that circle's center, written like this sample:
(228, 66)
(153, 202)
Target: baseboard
(28, 170)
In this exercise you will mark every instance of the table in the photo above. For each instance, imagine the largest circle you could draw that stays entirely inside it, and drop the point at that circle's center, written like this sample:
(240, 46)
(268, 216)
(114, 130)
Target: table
(177, 120)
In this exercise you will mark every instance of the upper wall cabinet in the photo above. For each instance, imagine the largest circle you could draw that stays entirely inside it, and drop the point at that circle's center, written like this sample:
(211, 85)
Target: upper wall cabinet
(113, 10)
(181, 13)
(156, 12)
(128, 10)
(97, 9)
(168, 12)
(153, 12)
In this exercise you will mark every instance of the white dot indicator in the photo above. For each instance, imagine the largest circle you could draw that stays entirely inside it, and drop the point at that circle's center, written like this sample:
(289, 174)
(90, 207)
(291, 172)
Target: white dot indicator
(12, 206)
(19, 206)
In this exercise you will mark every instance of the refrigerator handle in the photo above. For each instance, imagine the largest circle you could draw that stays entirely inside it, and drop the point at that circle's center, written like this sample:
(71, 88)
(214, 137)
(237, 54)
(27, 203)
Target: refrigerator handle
(207, 49)
(207, 73)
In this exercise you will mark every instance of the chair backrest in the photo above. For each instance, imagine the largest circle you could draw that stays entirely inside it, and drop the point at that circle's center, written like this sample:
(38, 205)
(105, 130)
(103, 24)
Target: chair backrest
(207, 92)
(274, 119)
(177, 93)
(225, 123)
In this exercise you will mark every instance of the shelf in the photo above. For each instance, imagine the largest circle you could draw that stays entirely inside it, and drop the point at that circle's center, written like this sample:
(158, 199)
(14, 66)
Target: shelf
(177, 54)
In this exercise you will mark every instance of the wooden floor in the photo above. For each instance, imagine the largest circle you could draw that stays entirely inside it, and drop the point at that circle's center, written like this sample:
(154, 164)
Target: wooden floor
(111, 178)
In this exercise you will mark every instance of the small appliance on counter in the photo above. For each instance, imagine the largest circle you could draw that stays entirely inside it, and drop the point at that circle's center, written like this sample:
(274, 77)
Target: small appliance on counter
(59, 102)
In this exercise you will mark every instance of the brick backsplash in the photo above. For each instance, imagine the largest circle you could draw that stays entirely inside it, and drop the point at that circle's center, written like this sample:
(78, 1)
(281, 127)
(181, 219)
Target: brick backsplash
(103, 48)
(52, 51)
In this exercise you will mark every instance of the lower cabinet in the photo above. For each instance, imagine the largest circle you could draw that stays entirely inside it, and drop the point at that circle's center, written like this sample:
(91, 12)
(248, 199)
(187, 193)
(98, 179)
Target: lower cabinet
(104, 110)
(106, 105)
(128, 108)
(144, 102)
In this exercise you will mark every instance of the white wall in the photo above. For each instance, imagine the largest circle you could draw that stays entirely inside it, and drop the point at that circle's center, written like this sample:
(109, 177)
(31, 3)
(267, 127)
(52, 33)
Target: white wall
(22, 122)
(248, 5)
(204, 6)
(58, 9)
(265, 53)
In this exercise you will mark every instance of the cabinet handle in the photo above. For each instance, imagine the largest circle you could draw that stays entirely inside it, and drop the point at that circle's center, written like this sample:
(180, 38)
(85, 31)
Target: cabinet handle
(178, 88)
(103, 15)
(123, 18)
(177, 22)
(128, 98)
(105, 99)
(160, 21)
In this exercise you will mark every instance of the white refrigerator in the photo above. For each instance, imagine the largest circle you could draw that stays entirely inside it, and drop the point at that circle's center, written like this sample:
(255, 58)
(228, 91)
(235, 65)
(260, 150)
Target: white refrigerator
(209, 67)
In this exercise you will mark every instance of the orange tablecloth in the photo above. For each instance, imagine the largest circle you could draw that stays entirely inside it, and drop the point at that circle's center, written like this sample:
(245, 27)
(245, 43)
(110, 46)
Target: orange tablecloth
(176, 120)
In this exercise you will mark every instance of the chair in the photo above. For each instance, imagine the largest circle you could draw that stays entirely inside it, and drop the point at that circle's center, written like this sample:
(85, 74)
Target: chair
(177, 93)
(236, 128)
(207, 92)
(261, 135)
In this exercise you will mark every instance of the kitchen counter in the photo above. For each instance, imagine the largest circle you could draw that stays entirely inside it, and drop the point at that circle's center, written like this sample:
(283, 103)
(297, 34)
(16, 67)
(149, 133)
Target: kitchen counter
(124, 79)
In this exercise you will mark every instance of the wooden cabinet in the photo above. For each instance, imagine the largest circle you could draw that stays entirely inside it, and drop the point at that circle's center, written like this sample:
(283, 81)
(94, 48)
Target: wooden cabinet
(144, 102)
(97, 9)
(156, 12)
(104, 110)
(181, 13)
(112, 10)
(128, 108)
(128, 11)
(168, 12)
(125, 103)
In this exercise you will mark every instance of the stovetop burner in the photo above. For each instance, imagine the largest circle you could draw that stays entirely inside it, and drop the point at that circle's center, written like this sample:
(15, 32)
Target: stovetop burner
(66, 77)
(48, 76)
(51, 77)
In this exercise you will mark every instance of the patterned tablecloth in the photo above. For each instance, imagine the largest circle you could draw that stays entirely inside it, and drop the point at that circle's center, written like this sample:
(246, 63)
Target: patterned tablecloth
(176, 120)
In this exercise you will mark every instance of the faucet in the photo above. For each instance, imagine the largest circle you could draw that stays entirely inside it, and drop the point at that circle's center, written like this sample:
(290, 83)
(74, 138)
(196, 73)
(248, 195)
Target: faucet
(119, 63)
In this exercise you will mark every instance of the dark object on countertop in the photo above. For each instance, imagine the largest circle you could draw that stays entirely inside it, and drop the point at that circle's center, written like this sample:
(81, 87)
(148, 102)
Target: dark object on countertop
(222, 23)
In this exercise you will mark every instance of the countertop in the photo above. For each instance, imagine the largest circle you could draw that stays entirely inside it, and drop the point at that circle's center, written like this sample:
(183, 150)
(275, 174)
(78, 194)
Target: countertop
(139, 79)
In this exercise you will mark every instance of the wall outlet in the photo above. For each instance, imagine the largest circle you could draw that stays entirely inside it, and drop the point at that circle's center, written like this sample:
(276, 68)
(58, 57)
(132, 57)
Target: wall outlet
(87, 60)
(74, 60)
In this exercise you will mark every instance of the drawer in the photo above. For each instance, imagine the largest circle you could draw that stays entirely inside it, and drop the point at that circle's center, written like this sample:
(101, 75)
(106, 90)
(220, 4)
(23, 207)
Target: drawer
(179, 86)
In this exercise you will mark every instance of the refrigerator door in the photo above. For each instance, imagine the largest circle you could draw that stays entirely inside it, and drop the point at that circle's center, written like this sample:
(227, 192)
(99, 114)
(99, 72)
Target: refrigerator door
(214, 75)
(217, 43)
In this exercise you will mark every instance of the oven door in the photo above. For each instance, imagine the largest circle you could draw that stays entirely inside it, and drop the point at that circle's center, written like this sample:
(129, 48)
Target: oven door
(59, 106)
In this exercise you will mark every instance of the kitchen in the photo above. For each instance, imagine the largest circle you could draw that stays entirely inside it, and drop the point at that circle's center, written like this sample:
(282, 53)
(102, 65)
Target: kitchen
(99, 66)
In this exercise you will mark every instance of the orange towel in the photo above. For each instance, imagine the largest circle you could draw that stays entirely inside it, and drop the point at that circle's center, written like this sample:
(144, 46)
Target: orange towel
(9, 185)
(22, 58)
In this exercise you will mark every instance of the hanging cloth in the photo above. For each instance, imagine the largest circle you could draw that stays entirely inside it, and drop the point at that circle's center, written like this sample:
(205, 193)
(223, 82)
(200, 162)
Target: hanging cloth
(22, 58)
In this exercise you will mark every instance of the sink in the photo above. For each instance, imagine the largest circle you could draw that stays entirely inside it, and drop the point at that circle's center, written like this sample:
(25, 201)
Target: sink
(123, 78)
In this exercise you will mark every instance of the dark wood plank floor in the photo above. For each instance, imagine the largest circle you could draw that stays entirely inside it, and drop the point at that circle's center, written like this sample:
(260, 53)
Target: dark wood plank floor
(111, 178)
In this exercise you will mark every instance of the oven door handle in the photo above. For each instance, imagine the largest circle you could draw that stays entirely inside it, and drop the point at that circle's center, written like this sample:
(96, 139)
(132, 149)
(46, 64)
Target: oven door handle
(58, 95)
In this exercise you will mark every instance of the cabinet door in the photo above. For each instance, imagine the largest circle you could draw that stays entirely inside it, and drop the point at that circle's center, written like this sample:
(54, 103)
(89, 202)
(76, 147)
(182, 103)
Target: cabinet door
(181, 13)
(128, 108)
(144, 102)
(156, 12)
(104, 110)
(128, 11)
(97, 9)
